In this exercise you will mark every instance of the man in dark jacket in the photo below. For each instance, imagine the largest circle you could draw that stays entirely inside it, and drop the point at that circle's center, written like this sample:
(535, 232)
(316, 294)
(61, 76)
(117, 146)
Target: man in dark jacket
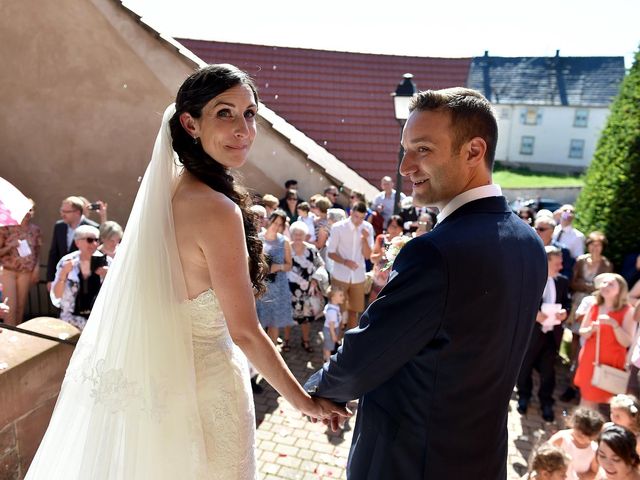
(63, 232)
(545, 339)
(435, 357)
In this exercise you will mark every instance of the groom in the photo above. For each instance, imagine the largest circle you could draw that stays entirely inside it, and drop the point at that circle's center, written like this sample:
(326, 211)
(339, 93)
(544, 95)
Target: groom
(435, 357)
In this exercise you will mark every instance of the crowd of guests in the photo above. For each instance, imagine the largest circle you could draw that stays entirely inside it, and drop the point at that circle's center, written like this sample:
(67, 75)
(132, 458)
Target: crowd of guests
(324, 257)
(586, 305)
(592, 449)
(596, 314)
(79, 257)
(328, 260)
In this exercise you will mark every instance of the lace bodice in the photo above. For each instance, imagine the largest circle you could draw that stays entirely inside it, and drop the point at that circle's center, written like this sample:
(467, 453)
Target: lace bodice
(205, 313)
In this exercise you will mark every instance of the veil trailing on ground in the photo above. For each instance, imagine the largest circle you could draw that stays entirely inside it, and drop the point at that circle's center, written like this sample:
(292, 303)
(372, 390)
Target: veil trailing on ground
(127, 408)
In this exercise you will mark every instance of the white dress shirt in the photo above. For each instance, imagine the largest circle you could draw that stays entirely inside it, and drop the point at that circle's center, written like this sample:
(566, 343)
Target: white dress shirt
(571, 238)
(346, 240)
(477, 193)
(549, 293)
(71, 232)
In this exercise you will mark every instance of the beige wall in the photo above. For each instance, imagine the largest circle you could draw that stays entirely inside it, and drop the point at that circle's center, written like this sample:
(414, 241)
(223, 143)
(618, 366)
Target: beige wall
(80, 110)
(83, 88)
(273, 160)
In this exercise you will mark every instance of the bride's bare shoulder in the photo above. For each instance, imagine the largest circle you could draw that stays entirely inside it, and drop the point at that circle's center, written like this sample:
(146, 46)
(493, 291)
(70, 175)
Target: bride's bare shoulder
(196, 201)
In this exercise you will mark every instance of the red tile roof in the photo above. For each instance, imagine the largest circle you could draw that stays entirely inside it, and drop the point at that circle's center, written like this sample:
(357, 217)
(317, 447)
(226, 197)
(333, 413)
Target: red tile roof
(341, 100)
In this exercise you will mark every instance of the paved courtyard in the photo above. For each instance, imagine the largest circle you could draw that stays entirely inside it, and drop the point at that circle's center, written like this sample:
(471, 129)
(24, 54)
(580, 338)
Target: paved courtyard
(290, 447)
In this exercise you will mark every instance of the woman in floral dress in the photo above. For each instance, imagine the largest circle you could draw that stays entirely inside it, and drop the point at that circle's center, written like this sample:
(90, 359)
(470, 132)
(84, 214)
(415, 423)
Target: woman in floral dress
(306, 260)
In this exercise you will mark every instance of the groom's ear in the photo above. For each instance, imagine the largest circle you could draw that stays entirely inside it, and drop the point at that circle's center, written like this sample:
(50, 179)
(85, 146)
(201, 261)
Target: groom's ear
(476, 149)
(189, 124)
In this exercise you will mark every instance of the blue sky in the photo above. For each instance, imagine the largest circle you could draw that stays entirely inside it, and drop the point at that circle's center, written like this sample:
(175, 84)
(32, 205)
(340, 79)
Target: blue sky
(462, 28)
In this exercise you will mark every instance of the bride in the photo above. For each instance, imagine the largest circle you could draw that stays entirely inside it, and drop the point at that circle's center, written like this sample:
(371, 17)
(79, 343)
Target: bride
(158, 386)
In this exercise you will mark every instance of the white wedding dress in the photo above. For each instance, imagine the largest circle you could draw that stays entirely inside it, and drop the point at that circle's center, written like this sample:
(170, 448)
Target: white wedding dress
(155, 389)
(224, 393)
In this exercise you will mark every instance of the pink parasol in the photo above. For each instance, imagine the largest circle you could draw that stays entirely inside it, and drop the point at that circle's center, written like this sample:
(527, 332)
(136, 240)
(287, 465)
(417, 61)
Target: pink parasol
(13, 204)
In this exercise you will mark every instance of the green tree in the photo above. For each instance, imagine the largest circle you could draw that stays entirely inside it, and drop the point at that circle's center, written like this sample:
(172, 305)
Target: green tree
(610, 199)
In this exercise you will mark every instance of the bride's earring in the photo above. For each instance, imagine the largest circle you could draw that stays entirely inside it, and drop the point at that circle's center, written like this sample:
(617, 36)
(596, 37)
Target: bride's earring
(196, 140)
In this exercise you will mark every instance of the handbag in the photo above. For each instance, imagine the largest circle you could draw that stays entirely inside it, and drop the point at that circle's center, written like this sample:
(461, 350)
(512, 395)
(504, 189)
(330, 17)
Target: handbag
(606, 377)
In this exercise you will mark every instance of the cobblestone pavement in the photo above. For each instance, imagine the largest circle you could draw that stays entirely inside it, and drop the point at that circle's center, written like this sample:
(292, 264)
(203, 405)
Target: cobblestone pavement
(290, 447)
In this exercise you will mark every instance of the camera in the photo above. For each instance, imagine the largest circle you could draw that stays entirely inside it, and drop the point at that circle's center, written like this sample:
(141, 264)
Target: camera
(94, 206)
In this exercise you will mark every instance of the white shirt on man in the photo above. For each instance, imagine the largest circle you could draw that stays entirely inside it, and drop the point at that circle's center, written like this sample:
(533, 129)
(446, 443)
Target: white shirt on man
(549, 292)
(485, 191)
(571, 238)
(346, 240)
(71, 232)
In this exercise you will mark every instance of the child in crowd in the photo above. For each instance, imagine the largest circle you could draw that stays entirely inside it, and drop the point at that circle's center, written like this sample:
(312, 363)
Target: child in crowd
(332, 320)
(548, 463)
(304, 215)
(625, 411)
(579, 442)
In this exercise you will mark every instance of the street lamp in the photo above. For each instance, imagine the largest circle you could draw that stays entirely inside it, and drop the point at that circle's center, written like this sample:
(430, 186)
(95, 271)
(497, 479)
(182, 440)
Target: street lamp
(401, 98)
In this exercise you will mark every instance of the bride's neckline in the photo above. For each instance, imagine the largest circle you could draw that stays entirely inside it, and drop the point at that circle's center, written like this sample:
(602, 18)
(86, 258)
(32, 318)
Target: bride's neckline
(201, 294)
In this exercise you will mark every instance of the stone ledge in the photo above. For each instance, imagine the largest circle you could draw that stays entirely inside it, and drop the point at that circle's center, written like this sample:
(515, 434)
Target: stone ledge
(36, 366)
(29, 385)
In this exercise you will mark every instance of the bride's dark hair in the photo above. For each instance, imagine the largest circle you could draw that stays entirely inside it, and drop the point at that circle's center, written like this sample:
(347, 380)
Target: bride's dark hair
(196, 91)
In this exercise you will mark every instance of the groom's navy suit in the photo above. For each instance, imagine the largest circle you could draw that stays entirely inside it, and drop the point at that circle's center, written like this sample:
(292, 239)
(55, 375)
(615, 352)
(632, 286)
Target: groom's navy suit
(436, 355)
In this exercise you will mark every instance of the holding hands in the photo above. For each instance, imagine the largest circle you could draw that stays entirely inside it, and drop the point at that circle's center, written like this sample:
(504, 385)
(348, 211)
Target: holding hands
(329, 413)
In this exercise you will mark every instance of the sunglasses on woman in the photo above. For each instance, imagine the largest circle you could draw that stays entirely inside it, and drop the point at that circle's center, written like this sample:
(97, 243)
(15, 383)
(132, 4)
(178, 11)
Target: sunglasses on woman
(91, 240)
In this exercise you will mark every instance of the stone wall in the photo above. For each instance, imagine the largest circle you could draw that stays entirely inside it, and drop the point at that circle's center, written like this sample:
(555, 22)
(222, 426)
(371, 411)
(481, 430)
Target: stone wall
(31, 372)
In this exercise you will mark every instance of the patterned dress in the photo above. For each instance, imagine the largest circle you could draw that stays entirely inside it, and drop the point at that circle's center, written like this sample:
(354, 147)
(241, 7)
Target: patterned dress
(274, 307)
(73, 285)
(12, 260)
(304, 266)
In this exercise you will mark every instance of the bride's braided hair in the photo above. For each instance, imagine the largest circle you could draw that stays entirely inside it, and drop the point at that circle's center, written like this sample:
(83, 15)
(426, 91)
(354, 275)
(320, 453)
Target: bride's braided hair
(196, 91)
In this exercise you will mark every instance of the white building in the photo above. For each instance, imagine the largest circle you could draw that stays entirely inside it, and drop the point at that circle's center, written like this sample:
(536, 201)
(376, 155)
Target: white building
(551, 110)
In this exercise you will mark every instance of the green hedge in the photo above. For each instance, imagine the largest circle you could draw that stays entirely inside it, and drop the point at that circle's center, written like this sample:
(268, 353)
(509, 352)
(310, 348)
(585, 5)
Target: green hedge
(610, 198)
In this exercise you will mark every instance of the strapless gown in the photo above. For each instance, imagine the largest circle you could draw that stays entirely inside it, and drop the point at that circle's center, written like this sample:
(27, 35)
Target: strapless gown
(225, 400)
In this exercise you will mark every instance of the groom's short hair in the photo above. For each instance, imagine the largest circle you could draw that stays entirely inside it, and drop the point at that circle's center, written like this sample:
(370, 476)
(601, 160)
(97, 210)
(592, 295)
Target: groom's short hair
(471, 116)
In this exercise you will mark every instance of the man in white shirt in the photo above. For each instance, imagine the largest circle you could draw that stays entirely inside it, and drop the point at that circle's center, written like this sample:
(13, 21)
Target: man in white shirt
(385, 201)
(566, 235)
(350, 244)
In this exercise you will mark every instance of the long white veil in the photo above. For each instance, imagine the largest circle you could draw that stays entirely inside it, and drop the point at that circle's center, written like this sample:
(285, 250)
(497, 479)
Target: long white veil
(127, 408)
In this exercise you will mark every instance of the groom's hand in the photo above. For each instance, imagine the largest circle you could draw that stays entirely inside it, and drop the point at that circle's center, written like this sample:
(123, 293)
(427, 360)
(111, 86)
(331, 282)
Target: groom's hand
(332, 414)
